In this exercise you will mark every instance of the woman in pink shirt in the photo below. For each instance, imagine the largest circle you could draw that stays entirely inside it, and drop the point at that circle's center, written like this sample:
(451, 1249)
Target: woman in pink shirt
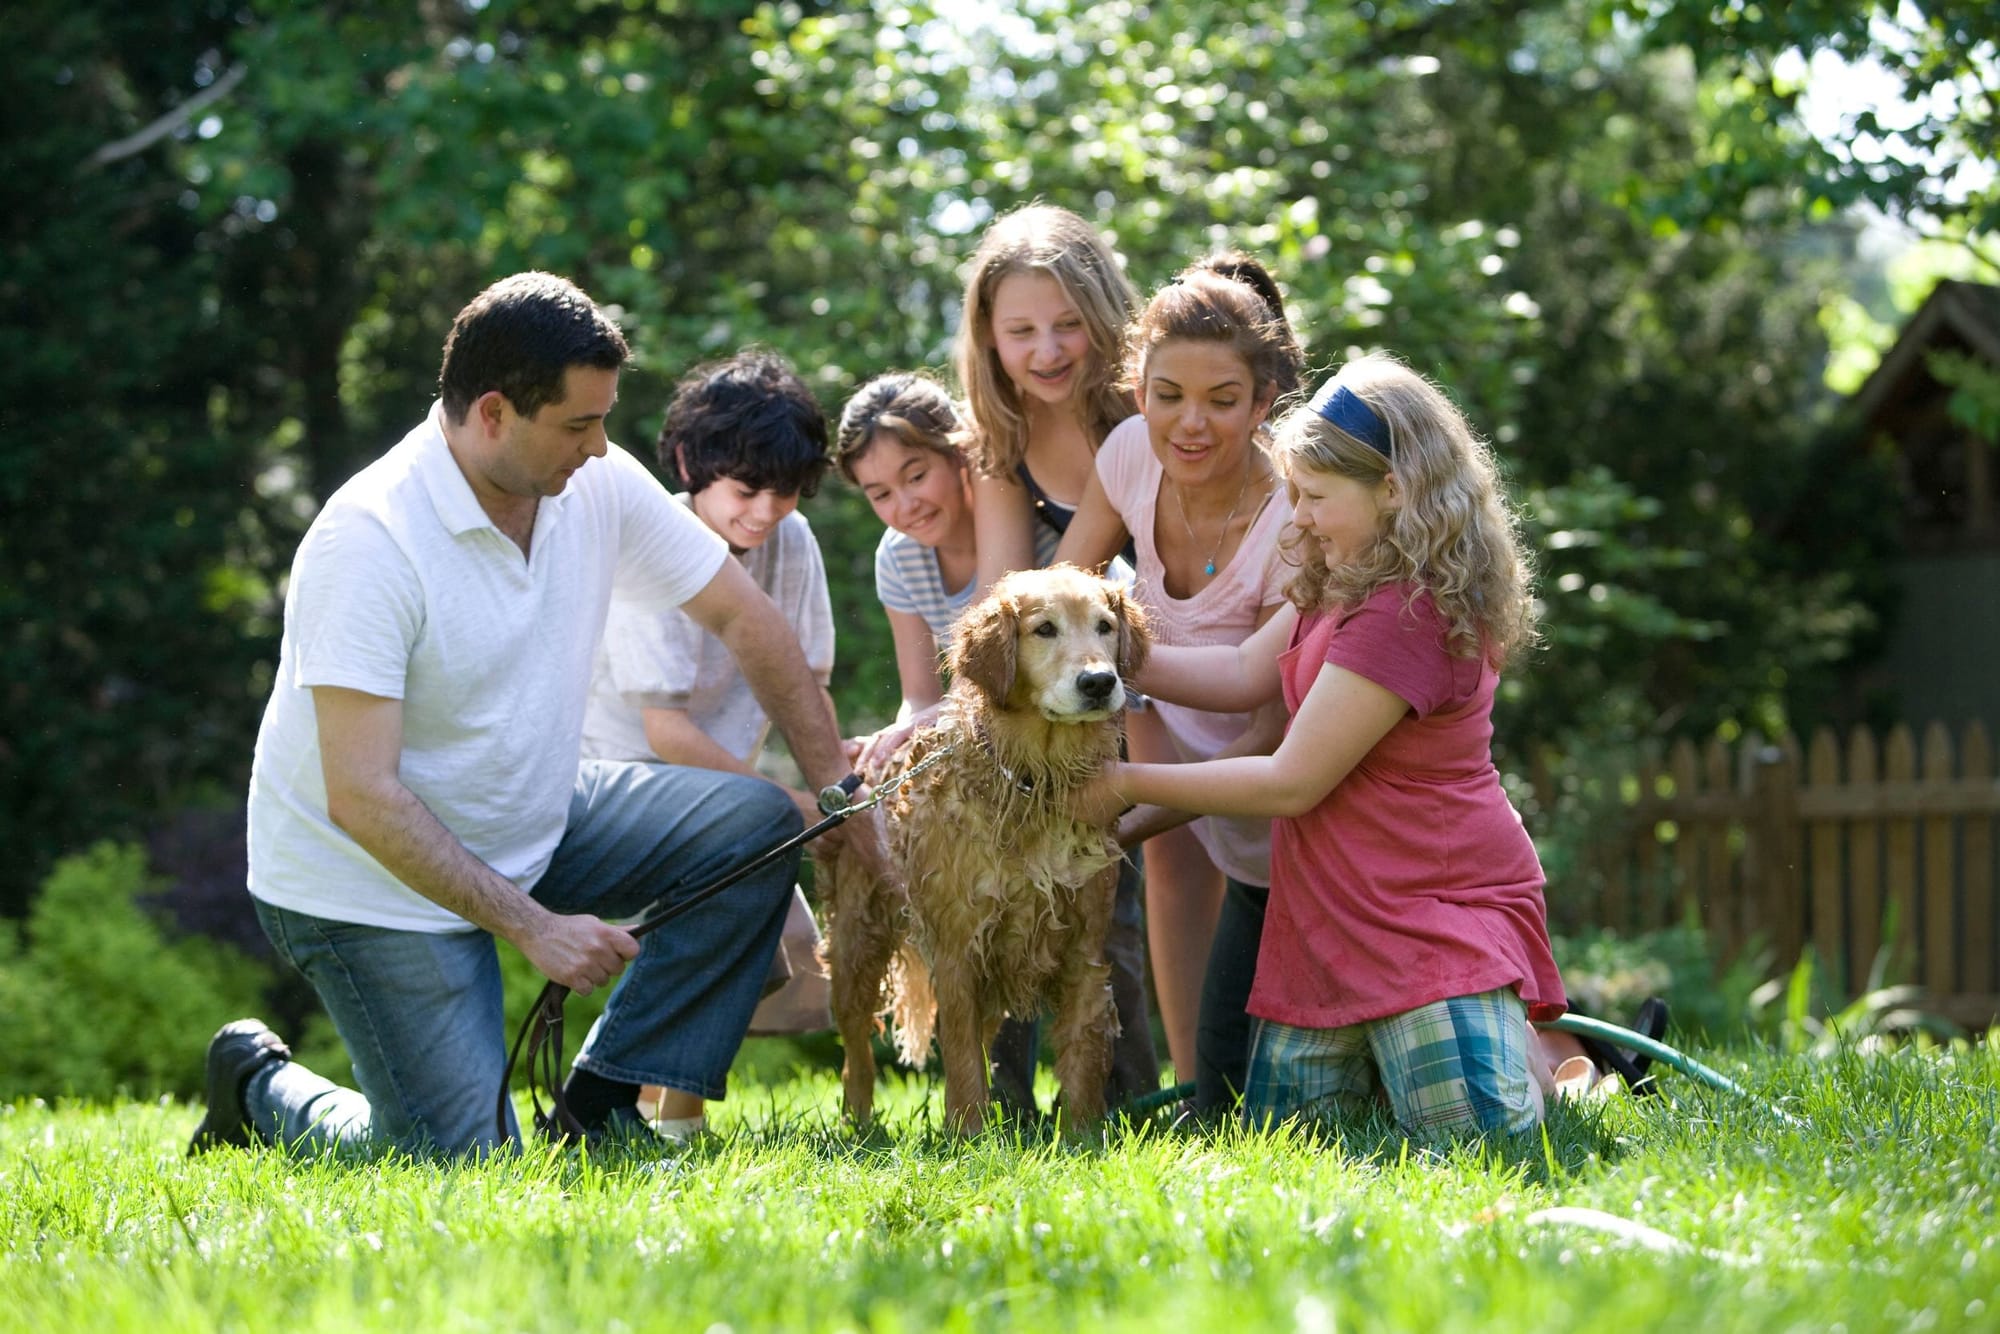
(1189, 485)
(1406, 944)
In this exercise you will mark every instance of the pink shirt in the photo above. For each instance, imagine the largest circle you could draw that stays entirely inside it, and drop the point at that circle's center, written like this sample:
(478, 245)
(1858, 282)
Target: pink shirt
(1223, 612)
(1413, 881)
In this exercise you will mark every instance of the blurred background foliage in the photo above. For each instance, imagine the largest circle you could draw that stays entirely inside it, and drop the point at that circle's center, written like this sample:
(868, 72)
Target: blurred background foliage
(238, 229)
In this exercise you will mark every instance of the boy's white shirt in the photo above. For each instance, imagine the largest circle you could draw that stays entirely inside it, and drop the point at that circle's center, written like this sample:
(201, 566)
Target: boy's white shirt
(664, 660)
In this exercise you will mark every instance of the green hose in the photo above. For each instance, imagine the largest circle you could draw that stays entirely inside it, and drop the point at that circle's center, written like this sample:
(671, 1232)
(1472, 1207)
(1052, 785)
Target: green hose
(1152, 1102)
(1585, 1026)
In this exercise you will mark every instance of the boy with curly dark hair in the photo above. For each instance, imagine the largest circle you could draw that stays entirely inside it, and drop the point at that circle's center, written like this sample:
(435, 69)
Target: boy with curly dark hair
(747, 440)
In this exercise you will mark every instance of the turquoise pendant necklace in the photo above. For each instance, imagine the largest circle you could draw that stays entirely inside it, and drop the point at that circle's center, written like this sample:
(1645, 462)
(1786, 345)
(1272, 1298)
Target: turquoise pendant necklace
(1180, 503)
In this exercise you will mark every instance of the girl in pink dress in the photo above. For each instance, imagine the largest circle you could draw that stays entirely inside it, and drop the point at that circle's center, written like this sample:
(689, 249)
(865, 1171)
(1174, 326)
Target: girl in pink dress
(1406, 944)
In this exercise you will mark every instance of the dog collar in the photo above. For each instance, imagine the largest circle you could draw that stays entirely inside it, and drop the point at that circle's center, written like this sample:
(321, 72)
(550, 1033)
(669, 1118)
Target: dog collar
(1024, 785)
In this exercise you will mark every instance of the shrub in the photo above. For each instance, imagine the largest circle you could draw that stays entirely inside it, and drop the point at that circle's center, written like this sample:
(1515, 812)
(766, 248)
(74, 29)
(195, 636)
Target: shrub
(98, 1001)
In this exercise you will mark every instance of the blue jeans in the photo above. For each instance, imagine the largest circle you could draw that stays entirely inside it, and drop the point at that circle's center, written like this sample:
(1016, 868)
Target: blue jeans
(1222, 1028)
(421, 1013)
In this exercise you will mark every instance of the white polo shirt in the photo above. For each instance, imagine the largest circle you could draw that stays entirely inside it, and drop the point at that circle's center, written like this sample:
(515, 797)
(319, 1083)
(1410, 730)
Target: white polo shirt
(404, 588)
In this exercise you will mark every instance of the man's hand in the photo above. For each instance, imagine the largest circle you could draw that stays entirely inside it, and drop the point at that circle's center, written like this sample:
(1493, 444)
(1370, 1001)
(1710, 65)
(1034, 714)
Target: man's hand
(581, 952)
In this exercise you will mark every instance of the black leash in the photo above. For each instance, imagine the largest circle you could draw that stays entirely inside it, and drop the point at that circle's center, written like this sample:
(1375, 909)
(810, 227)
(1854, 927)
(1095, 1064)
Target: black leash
(541, 1033)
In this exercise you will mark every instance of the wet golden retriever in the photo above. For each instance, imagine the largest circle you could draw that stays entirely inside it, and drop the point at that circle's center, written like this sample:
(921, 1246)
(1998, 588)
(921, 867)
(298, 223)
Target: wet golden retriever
(1005, 899)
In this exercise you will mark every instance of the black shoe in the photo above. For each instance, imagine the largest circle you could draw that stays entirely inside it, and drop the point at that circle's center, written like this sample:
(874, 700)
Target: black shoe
(237, 1051)
(1632, 1067)
(1651, 1022)
(620, 1128)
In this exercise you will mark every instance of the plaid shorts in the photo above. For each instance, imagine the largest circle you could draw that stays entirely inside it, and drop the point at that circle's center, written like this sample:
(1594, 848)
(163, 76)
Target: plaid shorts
(1454, 1065)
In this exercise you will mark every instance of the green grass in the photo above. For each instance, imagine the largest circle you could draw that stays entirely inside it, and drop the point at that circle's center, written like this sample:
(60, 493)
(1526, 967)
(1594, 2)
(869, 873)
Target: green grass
(1876, 1213)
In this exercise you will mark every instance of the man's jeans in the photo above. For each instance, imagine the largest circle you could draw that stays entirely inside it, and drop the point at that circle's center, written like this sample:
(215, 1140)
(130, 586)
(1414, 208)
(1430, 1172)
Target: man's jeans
(420, 1013)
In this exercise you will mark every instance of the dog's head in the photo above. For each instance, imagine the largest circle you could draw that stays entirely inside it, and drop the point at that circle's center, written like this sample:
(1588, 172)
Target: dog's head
(1058, 641)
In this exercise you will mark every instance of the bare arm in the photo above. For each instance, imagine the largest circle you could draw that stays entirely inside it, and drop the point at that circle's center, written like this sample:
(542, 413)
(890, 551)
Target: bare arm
(1096, 533)
(917, 669)
(1222, 678)
(1003, 524)
(361, 748)
(1341, 719)
(1261, 737)
(733, 609)
(916, 661)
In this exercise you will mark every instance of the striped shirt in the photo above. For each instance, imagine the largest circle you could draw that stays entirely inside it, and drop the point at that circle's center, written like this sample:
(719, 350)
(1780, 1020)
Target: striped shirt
(907, 579)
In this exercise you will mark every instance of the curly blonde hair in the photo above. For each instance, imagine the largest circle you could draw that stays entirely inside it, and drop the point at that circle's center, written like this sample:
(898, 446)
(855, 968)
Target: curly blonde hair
(1040, 238)
(1454, 535)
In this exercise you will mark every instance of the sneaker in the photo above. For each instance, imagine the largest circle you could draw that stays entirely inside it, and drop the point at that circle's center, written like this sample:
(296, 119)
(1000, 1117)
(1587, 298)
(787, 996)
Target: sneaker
(237, 1051)
(1651, 1022)
(679, 1129)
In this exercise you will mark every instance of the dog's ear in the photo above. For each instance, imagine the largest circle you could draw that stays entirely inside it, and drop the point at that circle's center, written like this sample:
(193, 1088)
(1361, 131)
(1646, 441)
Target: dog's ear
(1135, 637)
(982, 647)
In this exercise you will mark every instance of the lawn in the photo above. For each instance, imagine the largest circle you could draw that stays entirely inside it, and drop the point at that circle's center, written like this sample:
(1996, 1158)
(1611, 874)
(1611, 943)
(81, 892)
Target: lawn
(1874, 1211)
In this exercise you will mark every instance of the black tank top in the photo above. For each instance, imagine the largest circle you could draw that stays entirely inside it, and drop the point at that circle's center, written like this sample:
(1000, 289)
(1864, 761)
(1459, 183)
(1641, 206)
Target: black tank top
(1057, 515)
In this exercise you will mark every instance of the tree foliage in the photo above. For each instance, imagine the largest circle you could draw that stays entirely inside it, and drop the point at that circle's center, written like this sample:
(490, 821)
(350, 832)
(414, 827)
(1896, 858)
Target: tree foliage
(1927, 160)
(1592, 219)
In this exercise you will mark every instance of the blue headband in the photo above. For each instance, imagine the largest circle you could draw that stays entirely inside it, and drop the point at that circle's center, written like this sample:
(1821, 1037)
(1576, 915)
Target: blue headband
(1341, 406)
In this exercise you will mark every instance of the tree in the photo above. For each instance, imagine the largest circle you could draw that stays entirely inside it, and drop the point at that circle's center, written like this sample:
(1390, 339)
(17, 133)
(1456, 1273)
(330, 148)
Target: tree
(245, 228)
(135, 540)
(1929, 162)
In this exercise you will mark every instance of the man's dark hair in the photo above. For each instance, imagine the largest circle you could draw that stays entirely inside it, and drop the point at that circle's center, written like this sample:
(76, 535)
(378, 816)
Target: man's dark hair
(520, 336)
(749, 418)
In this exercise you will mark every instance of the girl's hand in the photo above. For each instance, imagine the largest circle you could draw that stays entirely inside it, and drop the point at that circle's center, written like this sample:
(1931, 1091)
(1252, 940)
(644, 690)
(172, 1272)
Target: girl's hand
(1099, 801)
(879, 747)
(874, 752)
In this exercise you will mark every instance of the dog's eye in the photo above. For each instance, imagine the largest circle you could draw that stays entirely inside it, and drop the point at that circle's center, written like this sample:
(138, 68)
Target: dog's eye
(1046, 630)
(1105, 627)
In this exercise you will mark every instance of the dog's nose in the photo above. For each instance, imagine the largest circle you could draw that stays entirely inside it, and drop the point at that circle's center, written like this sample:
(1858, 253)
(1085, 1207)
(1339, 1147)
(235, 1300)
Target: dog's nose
(1096, 686)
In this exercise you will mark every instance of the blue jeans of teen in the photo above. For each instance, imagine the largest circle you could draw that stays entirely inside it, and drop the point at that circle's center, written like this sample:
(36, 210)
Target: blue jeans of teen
(1223, 1025)
(421, 1013)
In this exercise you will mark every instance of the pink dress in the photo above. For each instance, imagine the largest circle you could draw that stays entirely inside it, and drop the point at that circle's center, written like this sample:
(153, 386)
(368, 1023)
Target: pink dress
(1223, 612)
(1413, 881)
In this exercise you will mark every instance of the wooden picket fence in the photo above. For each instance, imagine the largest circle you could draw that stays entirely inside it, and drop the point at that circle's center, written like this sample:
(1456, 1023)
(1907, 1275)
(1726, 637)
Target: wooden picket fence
(1844, 847)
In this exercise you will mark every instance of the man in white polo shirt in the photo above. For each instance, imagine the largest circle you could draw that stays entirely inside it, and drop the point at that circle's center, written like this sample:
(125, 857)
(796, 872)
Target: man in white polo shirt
(416, 789)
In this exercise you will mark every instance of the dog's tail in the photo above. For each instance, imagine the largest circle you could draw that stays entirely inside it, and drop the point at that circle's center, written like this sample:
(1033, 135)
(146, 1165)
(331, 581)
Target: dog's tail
(913, 1007)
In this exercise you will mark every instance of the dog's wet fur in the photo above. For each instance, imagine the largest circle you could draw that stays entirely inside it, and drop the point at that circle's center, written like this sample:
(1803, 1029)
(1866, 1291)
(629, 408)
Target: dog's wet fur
(1004, 899)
